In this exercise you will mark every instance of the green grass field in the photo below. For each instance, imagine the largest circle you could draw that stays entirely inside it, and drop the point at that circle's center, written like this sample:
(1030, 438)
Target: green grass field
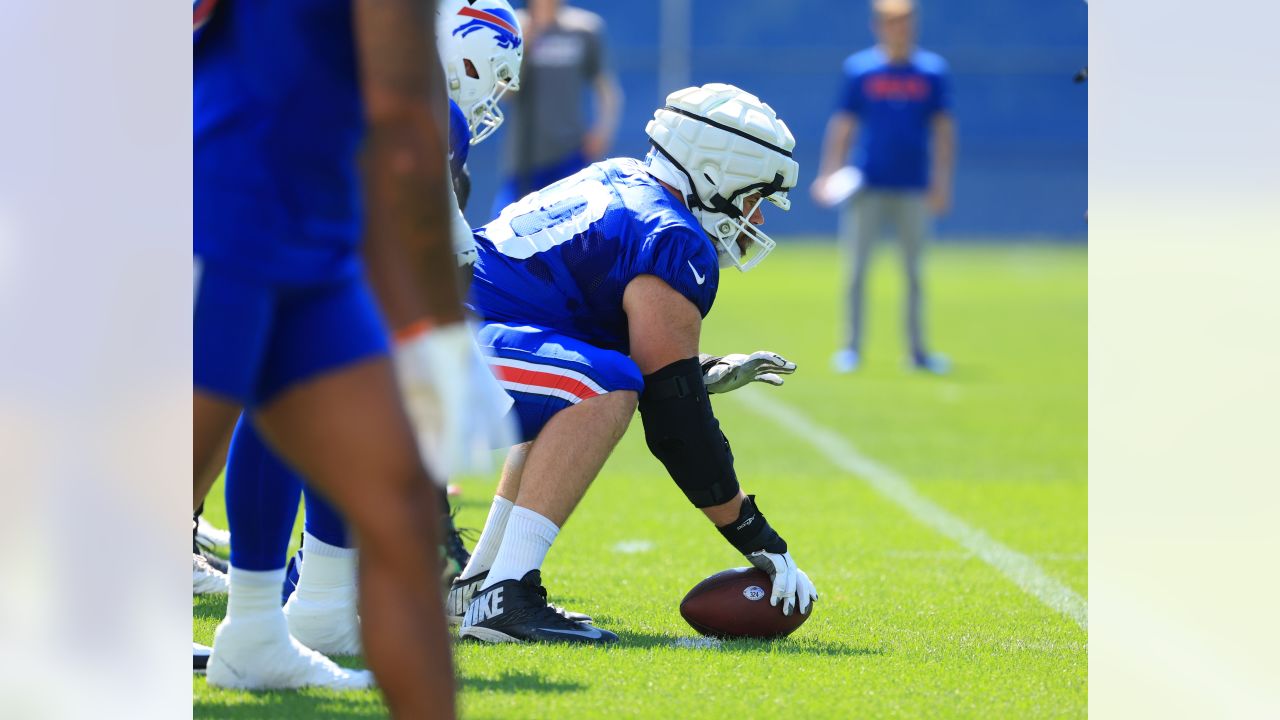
(910, 623)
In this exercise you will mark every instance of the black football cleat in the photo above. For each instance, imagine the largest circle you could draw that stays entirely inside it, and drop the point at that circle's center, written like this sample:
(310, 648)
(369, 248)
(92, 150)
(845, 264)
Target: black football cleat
(200, 657)
(516, 611)
(463, 589)
(453, 550)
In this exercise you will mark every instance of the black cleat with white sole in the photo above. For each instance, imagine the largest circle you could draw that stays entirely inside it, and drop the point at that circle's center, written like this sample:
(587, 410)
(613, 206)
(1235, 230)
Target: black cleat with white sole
(517, 611)
(463, 589)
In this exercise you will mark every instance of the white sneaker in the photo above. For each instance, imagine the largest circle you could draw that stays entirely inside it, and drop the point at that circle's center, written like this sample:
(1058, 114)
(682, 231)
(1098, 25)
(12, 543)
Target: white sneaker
(206, 579)
(328, 625)
(211, 537)
(259, 654)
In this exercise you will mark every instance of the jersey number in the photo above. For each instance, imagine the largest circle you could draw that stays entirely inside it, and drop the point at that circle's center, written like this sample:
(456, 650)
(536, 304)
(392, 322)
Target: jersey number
(545, 219)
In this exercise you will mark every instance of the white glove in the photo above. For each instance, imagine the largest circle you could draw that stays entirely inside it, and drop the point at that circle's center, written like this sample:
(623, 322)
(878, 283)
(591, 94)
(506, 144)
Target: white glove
(790, 584)
(458, 408)
(722, 374)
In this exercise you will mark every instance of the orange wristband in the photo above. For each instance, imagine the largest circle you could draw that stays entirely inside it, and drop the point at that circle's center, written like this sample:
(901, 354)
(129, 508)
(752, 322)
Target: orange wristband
(413, 330)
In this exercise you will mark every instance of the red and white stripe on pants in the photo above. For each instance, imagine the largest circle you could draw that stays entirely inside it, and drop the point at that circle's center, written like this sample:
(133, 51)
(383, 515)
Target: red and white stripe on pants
(527, 377)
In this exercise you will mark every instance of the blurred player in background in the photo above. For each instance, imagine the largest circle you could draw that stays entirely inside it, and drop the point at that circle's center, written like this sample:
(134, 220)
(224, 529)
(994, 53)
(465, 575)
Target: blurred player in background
(549, 138)
(285, 327)
(592, 293)
(896, 102)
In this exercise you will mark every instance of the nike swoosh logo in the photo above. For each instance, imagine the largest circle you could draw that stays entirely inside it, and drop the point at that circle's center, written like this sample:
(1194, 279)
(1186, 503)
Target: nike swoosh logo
(696, 276)
(592, 634)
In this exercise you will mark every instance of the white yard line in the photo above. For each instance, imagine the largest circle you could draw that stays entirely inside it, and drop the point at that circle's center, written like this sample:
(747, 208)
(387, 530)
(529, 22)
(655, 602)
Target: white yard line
(1019, 568)
(632, 547)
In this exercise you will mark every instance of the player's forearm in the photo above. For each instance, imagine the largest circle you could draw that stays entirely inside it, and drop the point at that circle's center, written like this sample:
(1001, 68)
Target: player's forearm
(836, 142)
(725, 513)
(409, 248)
(408, 242)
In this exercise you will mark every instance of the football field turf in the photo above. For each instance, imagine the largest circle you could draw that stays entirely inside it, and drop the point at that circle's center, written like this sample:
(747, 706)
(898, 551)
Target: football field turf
(942, 519)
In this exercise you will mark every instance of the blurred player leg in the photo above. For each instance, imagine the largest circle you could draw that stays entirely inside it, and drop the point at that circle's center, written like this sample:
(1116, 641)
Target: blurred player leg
(253, 648)
(911, 217)
(860, 225)
(207, 475)
(322, 610)
(212, 418)
(366, 459)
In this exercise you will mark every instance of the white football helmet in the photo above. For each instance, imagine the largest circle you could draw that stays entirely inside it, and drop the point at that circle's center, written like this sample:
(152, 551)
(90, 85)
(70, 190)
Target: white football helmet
(718, 145)
(481, 48)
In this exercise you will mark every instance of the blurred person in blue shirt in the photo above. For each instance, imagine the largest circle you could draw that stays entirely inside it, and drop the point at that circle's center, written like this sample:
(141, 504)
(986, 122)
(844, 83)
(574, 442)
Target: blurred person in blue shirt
(894, 113)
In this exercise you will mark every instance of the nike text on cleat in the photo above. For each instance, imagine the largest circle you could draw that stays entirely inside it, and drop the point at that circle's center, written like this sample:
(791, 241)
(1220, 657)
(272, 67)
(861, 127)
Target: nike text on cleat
(463, 589)
(516, 611)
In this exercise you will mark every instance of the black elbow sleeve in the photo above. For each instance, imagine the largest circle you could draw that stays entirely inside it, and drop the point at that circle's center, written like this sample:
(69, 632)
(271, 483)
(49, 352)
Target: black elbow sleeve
(682, 432)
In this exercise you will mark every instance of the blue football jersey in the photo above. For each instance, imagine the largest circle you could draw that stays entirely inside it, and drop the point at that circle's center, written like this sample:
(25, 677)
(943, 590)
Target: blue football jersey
(560, 258)
(278, 120)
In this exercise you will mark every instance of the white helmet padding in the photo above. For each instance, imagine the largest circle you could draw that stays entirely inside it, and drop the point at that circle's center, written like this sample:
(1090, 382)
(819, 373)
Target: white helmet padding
(717, 145)
(486, 34)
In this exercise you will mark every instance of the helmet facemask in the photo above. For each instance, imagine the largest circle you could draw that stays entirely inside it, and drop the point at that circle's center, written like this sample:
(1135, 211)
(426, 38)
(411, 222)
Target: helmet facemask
(485, 116)
(741, 243)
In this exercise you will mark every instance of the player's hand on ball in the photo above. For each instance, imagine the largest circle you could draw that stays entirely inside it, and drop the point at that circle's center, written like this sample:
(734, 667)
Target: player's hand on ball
(723, 374)
(791, 586)
(457, 406)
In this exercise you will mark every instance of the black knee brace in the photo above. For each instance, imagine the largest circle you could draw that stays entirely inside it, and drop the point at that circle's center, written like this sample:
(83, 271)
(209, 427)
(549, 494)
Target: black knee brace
(683, 433)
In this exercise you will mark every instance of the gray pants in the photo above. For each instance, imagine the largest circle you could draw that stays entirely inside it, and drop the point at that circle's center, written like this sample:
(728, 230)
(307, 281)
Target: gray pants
(861, 222)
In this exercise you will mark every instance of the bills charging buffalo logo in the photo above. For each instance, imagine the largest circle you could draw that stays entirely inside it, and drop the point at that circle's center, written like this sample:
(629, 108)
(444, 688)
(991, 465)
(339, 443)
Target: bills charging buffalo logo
(501, 22)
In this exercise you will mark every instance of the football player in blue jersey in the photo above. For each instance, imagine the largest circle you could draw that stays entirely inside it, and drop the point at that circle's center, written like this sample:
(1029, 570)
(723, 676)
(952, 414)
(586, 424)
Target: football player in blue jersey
(320, 588)
(262, 490)
(285, 93)
(592, 293)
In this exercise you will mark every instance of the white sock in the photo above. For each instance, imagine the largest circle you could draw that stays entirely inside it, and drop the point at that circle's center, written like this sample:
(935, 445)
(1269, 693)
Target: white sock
(325, 568)
(490, 538)
(524, 546)
(253, 592)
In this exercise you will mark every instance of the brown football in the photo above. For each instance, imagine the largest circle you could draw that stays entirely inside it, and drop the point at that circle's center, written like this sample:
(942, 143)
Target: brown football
(735, 604)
